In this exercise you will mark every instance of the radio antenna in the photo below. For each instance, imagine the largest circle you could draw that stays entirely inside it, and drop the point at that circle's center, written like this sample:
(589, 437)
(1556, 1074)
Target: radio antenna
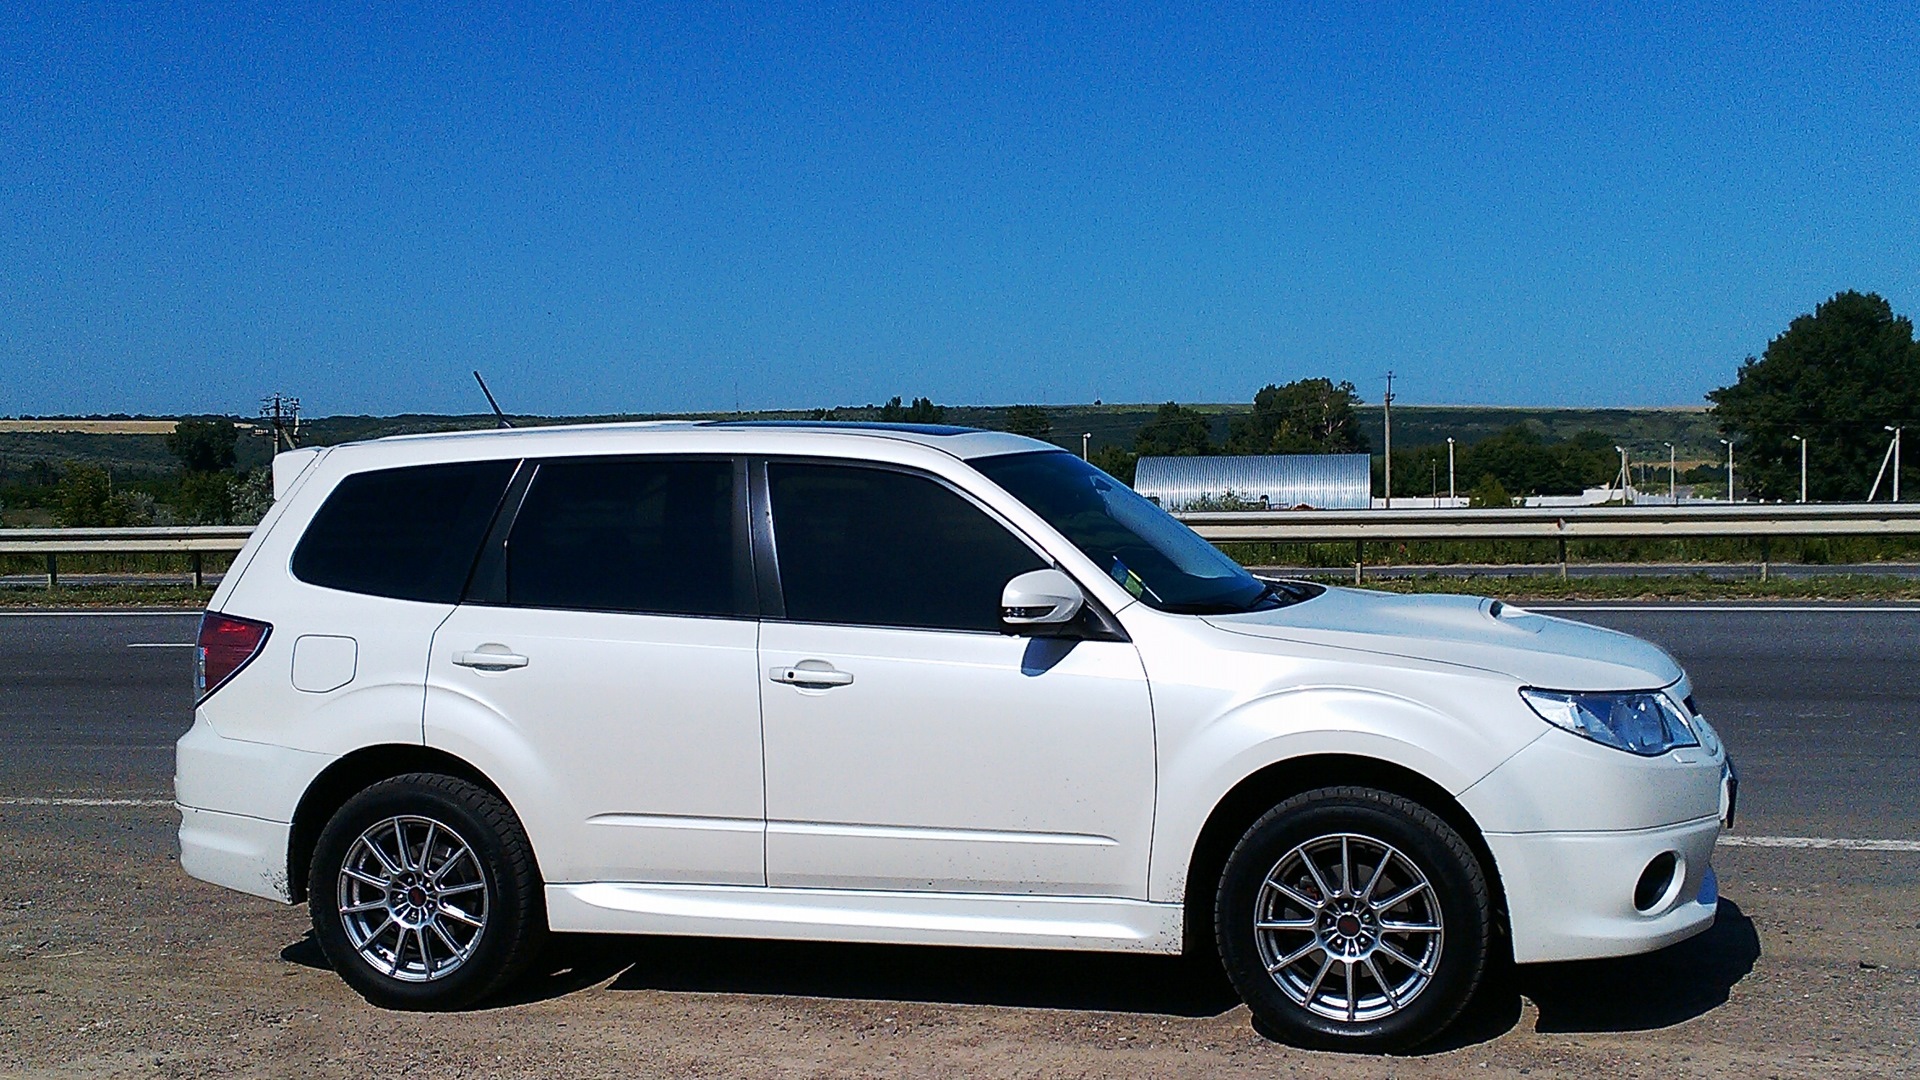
(498, 415)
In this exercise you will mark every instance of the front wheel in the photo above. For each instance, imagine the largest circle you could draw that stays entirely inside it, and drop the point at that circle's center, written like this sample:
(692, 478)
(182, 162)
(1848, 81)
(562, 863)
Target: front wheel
(424, 894)
(1353, 919)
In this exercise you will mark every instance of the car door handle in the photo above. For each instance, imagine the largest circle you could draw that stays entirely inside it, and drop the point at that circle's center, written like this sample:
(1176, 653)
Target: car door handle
(494, 661)
(799, 676)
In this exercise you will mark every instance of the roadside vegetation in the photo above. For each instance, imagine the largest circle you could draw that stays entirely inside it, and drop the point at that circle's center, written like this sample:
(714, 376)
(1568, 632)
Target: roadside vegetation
(1689, 587)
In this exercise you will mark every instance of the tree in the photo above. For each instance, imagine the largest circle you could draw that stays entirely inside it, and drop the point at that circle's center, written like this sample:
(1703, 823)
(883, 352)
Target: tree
(1489, 492)
(922, 411)
(1029, 420)
(204, 445)
(1836, 377)
(252, 496)
(1117, 462)
(86, 499)
(1174, 431)
(1521, 460)
(206, 498)
(1307, 416)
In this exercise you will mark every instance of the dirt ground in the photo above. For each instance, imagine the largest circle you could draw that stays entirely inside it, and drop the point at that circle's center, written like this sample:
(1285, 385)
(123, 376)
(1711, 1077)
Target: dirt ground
(113, 963)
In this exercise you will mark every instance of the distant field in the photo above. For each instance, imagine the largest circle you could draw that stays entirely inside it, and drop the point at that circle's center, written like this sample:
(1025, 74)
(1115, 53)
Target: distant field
(93, 427)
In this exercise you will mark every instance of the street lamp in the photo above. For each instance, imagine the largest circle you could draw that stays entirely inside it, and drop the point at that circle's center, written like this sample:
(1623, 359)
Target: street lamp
(1673, 481)
(1729, 445)
(1802, 440)
(1084, 436)
(1453, 497)
(1623, 474)
(1896, 461)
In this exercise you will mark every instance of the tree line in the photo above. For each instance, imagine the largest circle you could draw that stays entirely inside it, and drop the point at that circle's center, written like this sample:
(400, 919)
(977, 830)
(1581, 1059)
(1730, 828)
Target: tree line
(208, 489)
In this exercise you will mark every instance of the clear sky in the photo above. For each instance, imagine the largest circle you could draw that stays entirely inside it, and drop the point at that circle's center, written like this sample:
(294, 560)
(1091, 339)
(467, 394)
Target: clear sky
(644, 207)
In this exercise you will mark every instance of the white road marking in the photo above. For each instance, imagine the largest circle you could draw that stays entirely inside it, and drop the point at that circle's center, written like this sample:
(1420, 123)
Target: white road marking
(36, 801)
(1736, 840)
(161, 645)
(1802, 608)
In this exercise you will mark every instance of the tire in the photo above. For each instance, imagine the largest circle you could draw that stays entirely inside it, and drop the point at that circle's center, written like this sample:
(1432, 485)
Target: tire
(1412, 927)
(424, 893)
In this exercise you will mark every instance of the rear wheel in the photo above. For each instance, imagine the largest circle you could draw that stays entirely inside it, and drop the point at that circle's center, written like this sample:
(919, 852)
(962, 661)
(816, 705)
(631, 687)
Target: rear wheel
(423, 893)
(1351, 918)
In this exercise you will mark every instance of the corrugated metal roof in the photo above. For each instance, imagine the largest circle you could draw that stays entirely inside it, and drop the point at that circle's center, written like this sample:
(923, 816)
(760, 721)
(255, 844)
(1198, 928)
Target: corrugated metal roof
(1322, 481)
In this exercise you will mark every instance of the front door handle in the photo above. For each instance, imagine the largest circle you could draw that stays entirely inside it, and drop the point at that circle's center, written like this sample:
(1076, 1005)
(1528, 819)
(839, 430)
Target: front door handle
(490, 661)
(799, 676)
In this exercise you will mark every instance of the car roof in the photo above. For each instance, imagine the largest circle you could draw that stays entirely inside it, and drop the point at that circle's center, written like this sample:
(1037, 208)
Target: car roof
(721, 436)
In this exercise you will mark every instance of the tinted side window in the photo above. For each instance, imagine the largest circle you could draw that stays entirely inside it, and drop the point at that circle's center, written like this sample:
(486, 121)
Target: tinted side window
(879, 548)
(642, 536)
(410, 533)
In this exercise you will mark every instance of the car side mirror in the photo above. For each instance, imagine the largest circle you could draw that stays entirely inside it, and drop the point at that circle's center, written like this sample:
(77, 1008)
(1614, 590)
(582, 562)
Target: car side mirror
(1040, 598)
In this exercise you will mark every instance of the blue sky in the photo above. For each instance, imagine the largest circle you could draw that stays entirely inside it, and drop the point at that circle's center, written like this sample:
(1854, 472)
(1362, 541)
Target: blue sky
(618, 208)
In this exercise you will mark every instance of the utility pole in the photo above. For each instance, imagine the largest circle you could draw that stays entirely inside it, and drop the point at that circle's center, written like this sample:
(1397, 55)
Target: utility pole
(282, 415)
(1386, 412)
(1453, 497)
(1433, 474)
(1802, 440)
(1673, 476)
(1625, 477)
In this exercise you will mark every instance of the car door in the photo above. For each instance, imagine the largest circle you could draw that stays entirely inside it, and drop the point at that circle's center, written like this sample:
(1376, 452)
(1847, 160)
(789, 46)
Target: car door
(609, 640)
(910, 744)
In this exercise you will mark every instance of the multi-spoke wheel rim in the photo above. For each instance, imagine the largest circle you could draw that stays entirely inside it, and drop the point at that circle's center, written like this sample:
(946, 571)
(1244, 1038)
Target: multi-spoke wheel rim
(413, 898)
(1349, 927)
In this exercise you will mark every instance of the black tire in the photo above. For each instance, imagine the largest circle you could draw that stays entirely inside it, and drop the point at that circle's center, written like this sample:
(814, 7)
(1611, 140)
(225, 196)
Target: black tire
(437, 958)
(1394, 846)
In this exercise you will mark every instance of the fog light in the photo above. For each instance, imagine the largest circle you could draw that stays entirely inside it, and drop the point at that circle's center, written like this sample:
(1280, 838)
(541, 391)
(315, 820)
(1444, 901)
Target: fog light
(1656, 881)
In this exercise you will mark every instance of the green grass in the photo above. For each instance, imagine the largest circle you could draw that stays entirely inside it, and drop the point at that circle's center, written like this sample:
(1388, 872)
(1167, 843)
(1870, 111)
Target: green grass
(62, 597)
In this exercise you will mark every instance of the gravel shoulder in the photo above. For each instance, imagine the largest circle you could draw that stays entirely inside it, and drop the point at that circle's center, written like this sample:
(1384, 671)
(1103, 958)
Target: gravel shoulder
(113, 963)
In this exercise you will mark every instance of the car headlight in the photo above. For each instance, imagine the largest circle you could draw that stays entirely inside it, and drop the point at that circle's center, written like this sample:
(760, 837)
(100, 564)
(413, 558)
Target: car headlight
(1645, 723)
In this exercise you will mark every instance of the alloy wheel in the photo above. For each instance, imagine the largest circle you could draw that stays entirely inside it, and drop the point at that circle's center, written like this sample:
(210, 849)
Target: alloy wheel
(1349, 927)
(413, 899)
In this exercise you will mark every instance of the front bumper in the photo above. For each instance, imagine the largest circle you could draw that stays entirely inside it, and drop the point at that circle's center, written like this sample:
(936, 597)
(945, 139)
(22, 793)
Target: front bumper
(1571, 895)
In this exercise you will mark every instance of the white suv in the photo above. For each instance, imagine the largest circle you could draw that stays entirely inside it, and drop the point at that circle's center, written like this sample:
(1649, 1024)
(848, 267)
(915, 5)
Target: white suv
(909, 684)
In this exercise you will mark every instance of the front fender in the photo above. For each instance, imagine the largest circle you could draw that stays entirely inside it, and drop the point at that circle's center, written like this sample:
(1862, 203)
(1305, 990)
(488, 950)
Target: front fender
(1197, 774)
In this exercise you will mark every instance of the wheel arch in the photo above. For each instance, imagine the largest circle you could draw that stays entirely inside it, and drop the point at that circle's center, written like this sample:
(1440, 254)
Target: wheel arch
(1260, 791)
(352, 774)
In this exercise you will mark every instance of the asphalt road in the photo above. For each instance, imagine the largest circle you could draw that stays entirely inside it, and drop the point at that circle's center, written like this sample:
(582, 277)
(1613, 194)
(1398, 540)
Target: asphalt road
(1820, 705)
(114, 963)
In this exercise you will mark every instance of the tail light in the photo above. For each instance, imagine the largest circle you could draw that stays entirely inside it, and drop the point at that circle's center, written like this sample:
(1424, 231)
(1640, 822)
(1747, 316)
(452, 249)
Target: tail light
(226, 644)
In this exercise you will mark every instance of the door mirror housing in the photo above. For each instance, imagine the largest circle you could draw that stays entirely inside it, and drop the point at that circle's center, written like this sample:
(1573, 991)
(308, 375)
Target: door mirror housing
(1039, 599)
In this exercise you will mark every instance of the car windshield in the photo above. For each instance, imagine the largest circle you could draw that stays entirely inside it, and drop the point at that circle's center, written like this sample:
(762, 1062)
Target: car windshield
(1154, 557)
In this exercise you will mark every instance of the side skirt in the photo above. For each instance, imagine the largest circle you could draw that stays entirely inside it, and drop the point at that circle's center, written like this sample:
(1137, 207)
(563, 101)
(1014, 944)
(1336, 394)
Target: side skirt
(1031, 922)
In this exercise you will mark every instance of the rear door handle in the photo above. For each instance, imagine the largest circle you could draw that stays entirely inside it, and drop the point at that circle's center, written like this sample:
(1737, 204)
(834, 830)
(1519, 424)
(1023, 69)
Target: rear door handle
(799, 676)
(490, 661)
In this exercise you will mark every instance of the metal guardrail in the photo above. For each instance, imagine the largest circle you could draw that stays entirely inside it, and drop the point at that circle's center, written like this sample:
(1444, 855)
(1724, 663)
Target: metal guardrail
(1559, 523)
(1562, 522)
(1282, 526)
(195, 540)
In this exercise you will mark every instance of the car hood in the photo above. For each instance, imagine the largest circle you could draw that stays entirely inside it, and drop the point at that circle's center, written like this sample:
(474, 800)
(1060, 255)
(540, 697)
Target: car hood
(1534, 649)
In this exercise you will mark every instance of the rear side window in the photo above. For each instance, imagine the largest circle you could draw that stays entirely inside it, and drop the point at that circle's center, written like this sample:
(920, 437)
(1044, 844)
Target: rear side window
(873, 547)
(629, 535)
(409, 534)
